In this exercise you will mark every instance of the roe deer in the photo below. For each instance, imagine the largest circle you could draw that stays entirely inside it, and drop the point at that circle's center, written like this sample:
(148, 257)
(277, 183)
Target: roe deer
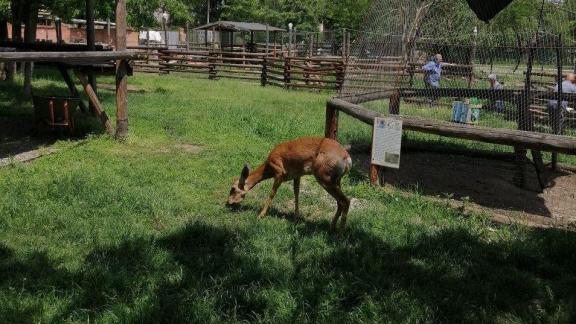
(324, 158)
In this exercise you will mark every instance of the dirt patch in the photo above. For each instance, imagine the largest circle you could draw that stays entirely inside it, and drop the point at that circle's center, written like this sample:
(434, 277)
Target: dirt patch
(26, 156)
(487, 185)
(189, 148)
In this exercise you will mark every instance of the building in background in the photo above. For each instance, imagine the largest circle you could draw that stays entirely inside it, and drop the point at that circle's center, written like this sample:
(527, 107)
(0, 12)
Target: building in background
(74, 31)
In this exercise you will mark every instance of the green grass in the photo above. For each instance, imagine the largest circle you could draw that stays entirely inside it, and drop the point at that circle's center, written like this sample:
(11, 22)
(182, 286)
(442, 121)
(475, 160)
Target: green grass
(110, 232)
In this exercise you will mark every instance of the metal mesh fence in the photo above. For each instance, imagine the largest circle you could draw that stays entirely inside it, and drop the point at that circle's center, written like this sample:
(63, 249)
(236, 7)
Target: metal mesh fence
(477, 76)
(401, 50)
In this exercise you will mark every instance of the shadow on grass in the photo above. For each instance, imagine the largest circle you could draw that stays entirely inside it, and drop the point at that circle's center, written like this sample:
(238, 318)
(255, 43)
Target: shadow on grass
(17, 133)
(202, 273)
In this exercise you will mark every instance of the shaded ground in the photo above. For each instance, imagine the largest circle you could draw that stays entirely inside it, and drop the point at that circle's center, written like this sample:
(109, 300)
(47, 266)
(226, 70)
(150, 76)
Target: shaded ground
(484, 184)
(16, 136)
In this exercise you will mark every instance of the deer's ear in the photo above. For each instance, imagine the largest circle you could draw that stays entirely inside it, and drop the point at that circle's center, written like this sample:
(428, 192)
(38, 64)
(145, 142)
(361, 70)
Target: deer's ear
(244, 176)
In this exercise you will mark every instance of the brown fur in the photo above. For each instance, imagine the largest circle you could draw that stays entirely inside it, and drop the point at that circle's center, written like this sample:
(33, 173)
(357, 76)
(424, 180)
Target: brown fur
(324, 158)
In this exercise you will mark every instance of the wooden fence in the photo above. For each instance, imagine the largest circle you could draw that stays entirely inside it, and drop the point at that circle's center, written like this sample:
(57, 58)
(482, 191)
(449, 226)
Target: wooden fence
(274, 68)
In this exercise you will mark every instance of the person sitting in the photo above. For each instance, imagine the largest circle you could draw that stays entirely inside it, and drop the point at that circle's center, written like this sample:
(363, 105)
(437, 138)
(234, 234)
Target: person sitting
(494, 84)
(496, 105)
(568, 86)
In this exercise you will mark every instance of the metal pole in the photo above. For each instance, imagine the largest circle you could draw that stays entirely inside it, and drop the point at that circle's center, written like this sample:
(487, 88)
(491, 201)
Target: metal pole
(208, 13)
(165, 31)
(187, 36)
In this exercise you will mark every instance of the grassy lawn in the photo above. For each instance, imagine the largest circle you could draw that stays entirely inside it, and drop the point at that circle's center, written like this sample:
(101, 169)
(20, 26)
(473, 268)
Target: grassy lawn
(113, 232)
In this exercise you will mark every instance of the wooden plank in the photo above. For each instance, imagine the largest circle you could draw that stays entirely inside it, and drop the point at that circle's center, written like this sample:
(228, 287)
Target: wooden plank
(67, 57)
(95, 102)
(529, 140)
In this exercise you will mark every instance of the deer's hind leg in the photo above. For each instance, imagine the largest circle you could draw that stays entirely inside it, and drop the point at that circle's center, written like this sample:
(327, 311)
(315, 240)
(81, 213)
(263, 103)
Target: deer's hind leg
(332, 186)
(296, 197)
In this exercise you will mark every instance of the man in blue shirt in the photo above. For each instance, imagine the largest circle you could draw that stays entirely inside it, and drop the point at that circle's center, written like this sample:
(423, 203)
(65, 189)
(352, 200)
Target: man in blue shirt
(432, 74)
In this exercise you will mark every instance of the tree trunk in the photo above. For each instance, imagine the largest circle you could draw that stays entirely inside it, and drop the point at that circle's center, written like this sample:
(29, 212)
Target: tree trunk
(16, 20)
(3, 30)
(16, 6)
(3, 38)
(31, 20)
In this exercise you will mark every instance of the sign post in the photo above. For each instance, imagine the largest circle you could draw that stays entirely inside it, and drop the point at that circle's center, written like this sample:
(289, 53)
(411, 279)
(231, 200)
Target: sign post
(386, 147)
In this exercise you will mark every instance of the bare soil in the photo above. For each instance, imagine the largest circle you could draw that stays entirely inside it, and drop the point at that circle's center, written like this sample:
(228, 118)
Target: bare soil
(485, 185)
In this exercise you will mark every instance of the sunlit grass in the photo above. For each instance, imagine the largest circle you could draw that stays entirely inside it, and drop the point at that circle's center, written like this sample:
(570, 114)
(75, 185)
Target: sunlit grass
(105, 231)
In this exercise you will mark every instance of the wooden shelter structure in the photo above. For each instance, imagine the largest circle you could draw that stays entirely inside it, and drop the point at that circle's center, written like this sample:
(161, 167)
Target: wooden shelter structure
(228, 29)
(85, 61)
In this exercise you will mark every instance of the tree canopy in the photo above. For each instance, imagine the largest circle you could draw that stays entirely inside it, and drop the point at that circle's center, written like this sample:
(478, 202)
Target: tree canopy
(450, 16)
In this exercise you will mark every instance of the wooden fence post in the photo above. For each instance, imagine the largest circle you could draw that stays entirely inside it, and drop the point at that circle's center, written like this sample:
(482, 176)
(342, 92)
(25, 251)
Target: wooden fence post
(348, 42)
(287, 73)
(164, 55)
(121, 72)
(394, 107)
(344, 38)
(264, 77)
(331, 127)
(212, 66)
(187, 36)
(376, 171)
(340, 69)
(311, 45)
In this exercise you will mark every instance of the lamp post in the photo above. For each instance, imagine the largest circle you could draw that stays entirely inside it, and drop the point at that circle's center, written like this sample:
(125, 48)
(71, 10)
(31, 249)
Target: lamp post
(165, 17)
(208, 13)
(290, 27)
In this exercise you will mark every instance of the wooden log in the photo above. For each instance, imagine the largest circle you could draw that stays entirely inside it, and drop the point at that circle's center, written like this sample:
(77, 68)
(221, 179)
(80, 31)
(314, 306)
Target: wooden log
(238, 77)
(72, 87)
(68, 57)
(504, 95)
(95, 102)
(367, 96)
(528, 140)
(313, 86)
(239, 71)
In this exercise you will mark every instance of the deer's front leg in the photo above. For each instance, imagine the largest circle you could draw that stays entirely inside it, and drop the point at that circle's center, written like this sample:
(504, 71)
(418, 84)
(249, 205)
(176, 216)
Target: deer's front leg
(296, 197)
(268, 202)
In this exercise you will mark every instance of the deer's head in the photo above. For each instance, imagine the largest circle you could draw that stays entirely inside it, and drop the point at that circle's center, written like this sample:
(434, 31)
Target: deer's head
(238, 191)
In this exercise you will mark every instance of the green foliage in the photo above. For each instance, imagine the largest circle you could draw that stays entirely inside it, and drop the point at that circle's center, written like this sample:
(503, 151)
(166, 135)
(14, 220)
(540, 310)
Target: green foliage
(306, 15)
(5, 9)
